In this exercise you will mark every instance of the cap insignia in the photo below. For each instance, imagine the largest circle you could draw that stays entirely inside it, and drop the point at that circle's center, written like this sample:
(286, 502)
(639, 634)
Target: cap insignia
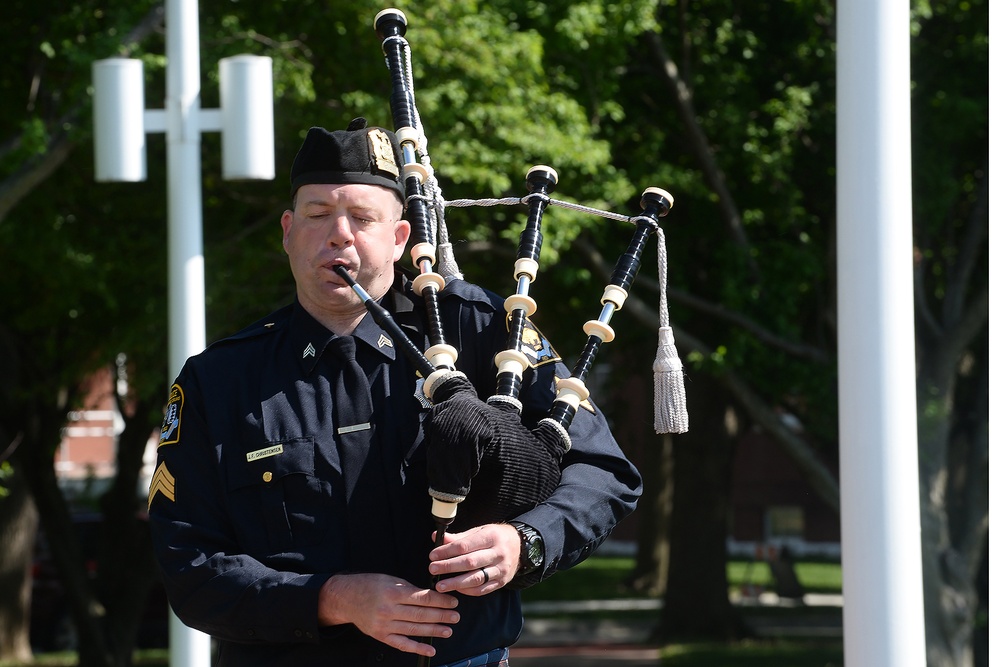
(382, 153)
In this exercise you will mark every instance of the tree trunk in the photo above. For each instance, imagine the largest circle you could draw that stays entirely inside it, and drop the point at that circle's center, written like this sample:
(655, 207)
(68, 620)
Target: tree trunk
(18, 525)
(954, 510)
(631, 414)
(126, 569)
(696, 603)
(35, 455)
(655, 510)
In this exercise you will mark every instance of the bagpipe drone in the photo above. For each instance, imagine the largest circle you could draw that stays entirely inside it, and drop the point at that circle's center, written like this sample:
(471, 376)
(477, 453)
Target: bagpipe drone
(480, 453)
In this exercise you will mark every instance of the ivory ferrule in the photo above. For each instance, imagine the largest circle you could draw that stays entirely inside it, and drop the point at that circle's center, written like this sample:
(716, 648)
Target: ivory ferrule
(615, 295)
(421, 251)
(416, 169)
(511, 361)
(427, 279)
(408, 135)
(520, 301)
(571, 390)
(662, 193)
(525, 266)
(442, 355)
(599, 329)
(443, 510)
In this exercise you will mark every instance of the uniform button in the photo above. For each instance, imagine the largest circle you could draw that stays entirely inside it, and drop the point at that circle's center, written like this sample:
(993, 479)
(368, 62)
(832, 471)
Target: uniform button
(250, 633)
(268, 476)
(298, 633)
(379, 657)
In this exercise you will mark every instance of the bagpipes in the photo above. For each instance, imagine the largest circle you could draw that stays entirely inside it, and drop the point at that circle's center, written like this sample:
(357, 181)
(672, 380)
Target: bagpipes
(515, 467)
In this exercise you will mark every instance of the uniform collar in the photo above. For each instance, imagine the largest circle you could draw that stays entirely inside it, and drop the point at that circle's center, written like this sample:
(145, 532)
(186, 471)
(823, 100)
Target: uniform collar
(309, 338)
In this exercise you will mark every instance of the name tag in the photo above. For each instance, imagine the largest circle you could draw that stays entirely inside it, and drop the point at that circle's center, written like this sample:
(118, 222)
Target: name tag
(354, 429)
(264, 453)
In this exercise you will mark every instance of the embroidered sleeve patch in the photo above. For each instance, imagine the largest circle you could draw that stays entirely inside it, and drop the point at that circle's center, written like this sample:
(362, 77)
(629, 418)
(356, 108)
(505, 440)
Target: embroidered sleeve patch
(170, 431)
(536, 347)
(162, 482)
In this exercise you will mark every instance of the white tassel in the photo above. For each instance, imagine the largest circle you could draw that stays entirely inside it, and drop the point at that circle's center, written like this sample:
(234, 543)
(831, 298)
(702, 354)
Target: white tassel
(669, 398)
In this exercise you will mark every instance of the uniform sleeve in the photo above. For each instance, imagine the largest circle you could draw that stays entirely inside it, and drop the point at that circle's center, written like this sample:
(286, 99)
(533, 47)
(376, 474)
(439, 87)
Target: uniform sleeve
(212, 586)
(599, 487)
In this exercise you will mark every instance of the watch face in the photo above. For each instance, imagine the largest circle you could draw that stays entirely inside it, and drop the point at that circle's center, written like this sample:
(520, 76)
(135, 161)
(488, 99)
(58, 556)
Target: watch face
(531, 548)
(535, 551)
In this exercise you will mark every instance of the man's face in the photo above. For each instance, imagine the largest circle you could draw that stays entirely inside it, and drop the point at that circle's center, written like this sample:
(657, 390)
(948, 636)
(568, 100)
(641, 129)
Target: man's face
(353, 225)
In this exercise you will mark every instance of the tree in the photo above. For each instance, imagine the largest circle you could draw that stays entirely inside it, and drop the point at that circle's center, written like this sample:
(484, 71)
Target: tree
(772, 101)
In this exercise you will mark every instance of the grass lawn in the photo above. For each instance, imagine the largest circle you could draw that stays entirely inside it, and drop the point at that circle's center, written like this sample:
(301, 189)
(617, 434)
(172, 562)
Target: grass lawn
(816, 577)
(601, 578)
(144, 658)
(756, 654)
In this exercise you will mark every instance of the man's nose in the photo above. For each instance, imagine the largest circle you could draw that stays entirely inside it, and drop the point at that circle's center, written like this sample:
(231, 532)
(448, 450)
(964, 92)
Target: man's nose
(341, 231)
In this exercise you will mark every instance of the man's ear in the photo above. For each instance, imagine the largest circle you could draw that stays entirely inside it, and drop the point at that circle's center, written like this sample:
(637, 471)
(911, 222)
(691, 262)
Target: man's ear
(286, 224)
(402, 235)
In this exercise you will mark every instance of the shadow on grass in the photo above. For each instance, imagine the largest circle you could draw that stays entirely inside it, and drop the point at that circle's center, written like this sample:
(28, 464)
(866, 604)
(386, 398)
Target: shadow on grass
(784, 653)
(144, 658)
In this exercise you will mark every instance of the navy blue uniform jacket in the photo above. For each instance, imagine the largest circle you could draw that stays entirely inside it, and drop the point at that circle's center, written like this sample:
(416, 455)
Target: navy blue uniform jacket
(254, 504)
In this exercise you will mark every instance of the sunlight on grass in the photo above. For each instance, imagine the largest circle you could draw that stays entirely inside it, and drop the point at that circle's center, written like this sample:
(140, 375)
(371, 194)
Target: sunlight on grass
(815, 577)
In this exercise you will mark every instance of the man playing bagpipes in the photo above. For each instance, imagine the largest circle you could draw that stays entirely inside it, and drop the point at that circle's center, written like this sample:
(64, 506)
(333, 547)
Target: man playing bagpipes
(290, 511)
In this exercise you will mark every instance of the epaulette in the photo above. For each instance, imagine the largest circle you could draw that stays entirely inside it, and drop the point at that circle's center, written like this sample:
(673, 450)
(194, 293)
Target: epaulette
(462, 289)
(262, 327)
(453, 288)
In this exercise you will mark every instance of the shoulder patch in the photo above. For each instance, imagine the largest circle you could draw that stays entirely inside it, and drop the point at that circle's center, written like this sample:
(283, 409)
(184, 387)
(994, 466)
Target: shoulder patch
(535, 346)
(170, 431)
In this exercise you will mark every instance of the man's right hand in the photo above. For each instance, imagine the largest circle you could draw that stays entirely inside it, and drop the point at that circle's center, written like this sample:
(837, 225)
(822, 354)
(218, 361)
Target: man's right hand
(388, 609)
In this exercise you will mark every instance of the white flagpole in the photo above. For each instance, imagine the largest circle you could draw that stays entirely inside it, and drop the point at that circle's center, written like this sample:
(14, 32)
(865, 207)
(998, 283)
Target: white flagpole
(880, 506)
(186, 262)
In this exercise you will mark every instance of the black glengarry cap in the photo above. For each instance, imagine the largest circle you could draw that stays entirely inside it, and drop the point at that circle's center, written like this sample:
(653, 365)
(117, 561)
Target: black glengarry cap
(359, 154)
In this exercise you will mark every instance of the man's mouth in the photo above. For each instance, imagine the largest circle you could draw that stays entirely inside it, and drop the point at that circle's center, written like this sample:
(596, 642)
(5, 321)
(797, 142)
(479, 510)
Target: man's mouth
(335, 266)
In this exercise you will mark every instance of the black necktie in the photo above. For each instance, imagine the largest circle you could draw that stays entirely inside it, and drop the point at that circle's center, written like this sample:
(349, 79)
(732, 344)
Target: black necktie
(369, 546)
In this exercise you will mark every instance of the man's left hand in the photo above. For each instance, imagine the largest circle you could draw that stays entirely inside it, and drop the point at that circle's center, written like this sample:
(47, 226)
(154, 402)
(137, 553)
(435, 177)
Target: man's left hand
(478, 561)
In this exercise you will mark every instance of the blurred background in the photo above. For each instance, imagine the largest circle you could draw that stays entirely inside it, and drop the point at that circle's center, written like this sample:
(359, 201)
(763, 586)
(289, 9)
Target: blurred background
(728, 105)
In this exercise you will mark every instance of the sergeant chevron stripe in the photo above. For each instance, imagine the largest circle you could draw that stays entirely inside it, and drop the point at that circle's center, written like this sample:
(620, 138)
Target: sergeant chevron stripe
(162, 482)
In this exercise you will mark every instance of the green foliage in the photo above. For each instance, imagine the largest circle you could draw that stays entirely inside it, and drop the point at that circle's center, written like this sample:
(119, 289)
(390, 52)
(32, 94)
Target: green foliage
(6, 470)
(574, 86)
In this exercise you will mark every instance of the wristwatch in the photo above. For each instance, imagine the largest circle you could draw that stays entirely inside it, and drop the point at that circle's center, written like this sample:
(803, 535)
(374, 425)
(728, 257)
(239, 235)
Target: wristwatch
(532, 548)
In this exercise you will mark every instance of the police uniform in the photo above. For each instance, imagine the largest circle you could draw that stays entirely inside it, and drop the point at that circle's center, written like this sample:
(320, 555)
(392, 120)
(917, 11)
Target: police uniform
(261, 491)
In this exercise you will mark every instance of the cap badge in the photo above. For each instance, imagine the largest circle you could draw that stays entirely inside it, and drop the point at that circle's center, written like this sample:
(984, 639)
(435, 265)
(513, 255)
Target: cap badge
(382, 153)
